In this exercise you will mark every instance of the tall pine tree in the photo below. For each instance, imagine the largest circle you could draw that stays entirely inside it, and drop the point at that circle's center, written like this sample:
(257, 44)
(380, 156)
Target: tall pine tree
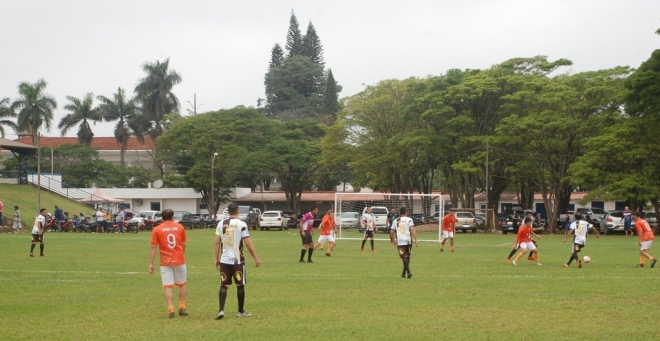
(294, 43)
(330, 98)
(276, 57)
(312, 47)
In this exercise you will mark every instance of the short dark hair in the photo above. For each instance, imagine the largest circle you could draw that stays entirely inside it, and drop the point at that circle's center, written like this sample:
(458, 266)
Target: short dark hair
(15, 207)
(41, 210)
(312, 208)
(403, 210)
(637, 214)
(328, 210)
(528, 220)
(578, 216)
(232, 208)
(167, 214)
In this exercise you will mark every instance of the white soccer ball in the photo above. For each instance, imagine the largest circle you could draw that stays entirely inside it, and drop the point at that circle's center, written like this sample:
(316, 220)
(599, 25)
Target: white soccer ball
(587, 259)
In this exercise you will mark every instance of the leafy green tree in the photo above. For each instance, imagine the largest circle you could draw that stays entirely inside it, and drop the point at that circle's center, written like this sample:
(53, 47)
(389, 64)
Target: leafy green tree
(312, 47)
(126, 112)
(81, 112)
(97, 173)
(294, 40)
(276, 57)
(294, 90)
(6, 112)
(154, 94)
(34, 108)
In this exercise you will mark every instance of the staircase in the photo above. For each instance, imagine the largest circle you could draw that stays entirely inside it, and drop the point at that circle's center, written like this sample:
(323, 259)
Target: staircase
(51, 184)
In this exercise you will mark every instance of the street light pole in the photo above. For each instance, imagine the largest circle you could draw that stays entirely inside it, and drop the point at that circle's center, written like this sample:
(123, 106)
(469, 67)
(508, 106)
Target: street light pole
(211, 209)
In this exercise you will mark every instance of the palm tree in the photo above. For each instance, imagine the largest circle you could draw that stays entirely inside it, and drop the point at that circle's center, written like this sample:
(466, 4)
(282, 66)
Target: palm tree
(34, 107)
(6, 111)
(81, 113)
(126, 113)
(154, 93)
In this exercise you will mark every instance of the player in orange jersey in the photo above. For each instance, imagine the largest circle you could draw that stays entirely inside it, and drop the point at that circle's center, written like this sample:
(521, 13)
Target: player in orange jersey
(327, 227)
(645, 239)
(524, 241)
(170, 237)
(448, 230)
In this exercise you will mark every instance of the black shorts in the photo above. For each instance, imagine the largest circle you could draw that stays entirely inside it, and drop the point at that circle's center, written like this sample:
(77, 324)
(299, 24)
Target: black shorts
(368, 233)
(404, 251)
(235, 271)
(307, 238)
(37, 238)
(577, 247)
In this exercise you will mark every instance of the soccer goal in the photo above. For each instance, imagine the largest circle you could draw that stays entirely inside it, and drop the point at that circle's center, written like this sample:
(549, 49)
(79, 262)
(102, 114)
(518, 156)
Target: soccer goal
(426, 210)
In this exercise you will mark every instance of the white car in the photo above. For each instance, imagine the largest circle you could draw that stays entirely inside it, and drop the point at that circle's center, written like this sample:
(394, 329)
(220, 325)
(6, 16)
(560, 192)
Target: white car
(349, 220)
(271, 219)
(141, 216)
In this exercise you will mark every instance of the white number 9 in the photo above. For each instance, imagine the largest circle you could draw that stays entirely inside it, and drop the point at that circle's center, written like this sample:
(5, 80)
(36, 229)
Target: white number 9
(171, 241)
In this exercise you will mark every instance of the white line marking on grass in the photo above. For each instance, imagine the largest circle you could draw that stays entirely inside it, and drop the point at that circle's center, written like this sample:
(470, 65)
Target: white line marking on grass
(504, 244)
(75, 272)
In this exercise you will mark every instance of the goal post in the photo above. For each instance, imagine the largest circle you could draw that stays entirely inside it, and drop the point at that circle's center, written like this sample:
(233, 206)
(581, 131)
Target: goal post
(426, 210)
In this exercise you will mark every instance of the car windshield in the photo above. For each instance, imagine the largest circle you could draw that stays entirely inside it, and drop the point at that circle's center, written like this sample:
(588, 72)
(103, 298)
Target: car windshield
(178, 215)
(244, 209)
(376, 210)
(597, 211)
(271, 214)
(349, 215)
(464, 215)
(616, 214)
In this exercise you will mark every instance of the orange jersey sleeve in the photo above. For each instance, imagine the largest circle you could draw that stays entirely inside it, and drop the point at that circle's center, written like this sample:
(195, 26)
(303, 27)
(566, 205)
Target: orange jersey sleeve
(644, 229)
(170, 238)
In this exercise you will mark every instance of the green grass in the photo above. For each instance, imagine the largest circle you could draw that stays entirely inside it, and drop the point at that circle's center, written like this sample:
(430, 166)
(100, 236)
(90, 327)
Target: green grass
(25, 196)
(97, 287)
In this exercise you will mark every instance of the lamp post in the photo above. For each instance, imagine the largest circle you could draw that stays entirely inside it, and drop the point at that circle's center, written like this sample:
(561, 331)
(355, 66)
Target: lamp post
(211, 209)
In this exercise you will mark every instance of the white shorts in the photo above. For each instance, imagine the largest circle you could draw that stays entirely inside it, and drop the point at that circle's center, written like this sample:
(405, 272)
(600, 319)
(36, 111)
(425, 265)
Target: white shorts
(646, 245)
(527, 245)
(173, 275)
(326, 238)
(447, 234)
(17, 225)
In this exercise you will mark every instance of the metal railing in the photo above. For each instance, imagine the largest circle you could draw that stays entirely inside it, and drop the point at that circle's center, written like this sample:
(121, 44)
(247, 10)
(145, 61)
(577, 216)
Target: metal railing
(65, 190)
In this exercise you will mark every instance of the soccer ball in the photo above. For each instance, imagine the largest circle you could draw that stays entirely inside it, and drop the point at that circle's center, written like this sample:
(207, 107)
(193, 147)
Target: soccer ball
(587, 259)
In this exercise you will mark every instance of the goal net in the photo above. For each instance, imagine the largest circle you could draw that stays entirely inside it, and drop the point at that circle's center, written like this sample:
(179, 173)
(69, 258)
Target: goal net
(426, 210)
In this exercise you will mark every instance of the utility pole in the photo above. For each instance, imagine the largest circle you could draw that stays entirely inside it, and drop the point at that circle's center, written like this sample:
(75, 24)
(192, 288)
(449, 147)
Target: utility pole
(194, 105)
(38, 171)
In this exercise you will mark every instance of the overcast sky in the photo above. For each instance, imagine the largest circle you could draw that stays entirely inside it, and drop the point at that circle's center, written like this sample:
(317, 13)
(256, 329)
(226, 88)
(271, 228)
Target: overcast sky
(222, 48)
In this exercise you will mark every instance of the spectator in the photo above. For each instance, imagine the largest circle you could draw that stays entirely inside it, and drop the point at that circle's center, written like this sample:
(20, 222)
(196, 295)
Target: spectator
(17, 220)
(120, 219)
(107, 220)
(100, 223)
(59, 218)
(1, 206)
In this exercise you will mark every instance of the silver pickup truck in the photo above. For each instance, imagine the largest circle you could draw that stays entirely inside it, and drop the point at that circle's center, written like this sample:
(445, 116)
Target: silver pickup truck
(595, 214)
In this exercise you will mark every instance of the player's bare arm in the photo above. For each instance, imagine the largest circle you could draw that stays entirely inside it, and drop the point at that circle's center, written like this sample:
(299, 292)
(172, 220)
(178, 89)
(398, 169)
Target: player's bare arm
(218, 246)
(536, 235)
(253, 252)
(392, 237)
(154, 247)
(570, 232)
(302, 229)
(414, 234)
(595, 231)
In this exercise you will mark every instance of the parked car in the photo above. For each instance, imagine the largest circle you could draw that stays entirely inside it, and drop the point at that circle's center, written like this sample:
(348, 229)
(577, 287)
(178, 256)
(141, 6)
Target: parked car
(466, 221)
(612, 222)
(292, 219)
(258, 211)
(349, 220)
(418, 218)
(184, 218)
(435, 218)
(141, 216)
(481, 219)
(596, 214)
(246, 214)
(512, 221)
(273, 219)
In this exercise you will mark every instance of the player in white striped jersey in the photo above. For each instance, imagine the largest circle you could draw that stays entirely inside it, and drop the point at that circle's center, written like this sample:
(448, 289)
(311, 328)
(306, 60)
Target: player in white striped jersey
(229, 236)
(404, 230)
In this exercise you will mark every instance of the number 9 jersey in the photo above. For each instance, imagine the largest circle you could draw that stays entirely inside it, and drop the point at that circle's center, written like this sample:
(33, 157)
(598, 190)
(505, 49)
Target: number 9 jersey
(170, 237)
(232, 232)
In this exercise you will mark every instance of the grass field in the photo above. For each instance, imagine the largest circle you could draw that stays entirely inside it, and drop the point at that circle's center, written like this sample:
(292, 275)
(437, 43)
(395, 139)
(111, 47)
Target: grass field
(97, 287)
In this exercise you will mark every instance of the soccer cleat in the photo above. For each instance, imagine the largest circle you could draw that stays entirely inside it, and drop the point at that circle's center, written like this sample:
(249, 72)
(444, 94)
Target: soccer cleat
(183, 312)
(653, 262)
(403, 275)
(441, 250)
(530, 258)
(327, 254)
(301, 261)
(362, 249)
(170, 314)
(42, 255)
(310, 261)
(452, 250)
(244, 314)
(537, 263)
(31, 255)
(374, 250)
(220, 315)
(508, 260)
(579, 263)
(514, 263)
(409, 274)
(565, 265)
(640, 265)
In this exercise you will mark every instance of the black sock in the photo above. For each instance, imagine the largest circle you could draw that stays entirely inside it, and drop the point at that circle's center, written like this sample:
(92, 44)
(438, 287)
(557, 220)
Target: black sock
(513, 252)
(372, 244)
(302, 254)
(531, 253)
(241, 298)
(363, 241)
(41, 249)
(223, 297)
(32, 248)
(309, 255)
(406, 265)
(573, 256)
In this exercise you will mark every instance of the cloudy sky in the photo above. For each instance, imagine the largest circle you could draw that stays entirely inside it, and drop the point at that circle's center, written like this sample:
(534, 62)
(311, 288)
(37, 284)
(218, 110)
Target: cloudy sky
(222, 48)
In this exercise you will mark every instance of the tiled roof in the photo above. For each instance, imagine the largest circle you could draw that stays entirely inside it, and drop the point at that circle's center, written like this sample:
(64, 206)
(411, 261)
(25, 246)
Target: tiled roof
(311, 196)
(100, 143)
(575, 196)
